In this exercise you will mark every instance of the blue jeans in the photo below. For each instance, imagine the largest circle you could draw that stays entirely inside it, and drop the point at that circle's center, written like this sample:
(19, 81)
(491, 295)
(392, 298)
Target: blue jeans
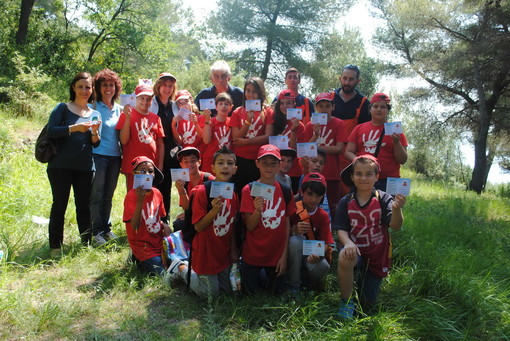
(103, 187)
(152, 265)
(255, 279)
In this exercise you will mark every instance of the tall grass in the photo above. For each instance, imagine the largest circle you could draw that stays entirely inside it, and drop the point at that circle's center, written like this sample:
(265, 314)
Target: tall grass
(450, 279)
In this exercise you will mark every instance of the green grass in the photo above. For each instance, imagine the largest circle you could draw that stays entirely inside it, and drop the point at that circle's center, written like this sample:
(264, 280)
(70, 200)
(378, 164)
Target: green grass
(450, 280)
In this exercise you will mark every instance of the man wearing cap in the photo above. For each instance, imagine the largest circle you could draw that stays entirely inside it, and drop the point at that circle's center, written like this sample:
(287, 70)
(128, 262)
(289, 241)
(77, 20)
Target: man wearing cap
(164, 106)
(220, 76)
(292, 81)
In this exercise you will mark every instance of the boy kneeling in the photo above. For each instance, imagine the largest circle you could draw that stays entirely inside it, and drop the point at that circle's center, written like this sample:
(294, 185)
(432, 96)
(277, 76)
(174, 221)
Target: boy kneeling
(313, 223)
(362, 220)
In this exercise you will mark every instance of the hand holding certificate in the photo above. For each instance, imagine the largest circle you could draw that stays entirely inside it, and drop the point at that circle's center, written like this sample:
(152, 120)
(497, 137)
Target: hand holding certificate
(391, 128)
(143, 180)
(207, 103)
(222, 189)
(307, 149)
(253, 105)
(259, 189)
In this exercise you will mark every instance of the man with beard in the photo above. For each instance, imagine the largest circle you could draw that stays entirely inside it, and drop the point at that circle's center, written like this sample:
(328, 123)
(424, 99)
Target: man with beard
(351, 107)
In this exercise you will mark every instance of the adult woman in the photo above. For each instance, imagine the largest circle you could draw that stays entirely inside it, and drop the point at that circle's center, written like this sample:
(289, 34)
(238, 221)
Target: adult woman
(108, 86)
(76, 126)
(164, 106)
(369, 138)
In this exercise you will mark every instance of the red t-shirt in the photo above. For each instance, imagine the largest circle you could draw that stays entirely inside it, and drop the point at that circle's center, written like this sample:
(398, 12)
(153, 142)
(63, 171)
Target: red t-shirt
(144, 131)
(147, 241)
(189, 134)
(211, 246)
(221, 135)
(265, 244)
(189, 185)
(330, 135)
(366, 136)
(321, 225)
(257, 128)
(296, 169)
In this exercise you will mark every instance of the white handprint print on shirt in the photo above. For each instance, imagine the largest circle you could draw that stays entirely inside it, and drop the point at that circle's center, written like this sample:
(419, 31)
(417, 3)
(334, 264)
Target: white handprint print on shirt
(151, 219)
(270, 216)
(223, 137)
(144, 131)
(189, 136)
(223, 220)
(370, 143)
(254, 128)
(323, 137)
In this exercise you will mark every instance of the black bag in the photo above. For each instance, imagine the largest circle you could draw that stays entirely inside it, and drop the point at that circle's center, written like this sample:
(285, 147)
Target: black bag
(45, 147)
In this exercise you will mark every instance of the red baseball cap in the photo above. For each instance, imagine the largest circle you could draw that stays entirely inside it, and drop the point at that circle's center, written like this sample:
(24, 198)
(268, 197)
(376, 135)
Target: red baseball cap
(183, 94)
(380, 96)
(346, 173)
(269, 149)
(287, 94)
(158, 176)
(324, 96)
(314, 177)
(167, 75)
(144, 89)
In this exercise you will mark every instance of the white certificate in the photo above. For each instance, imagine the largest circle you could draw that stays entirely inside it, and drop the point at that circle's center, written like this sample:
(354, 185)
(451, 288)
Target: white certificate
(207, 103)
(222, 189)
(145, 82)
(393, 127)
(398, 186)
(128, 99)
(179, 174)
(294, 112)
(144, 180)
(307, 149)
(313, 247)
(262, 190)
(184, 113)
(280, 141)
(318, 118)
(253, 105)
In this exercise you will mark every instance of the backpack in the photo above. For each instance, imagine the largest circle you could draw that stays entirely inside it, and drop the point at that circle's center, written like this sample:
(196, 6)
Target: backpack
(46, 147)
(188, 230)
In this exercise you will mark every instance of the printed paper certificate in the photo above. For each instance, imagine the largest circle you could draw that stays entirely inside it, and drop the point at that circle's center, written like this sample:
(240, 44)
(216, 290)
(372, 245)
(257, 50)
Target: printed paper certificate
(307, 149)
(262, 190)
(280, 141)
(179, 174)
(294, 112)
(313, 247)
(207, 103)
(398, 186)
(144, 180)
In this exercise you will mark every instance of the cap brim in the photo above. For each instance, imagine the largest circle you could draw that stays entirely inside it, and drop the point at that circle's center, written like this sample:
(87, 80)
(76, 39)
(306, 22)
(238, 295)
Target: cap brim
(345, 175)
(147, 93)
(269, 154)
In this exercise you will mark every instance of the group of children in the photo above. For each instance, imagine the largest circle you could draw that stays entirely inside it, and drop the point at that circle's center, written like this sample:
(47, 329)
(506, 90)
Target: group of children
(266, 235)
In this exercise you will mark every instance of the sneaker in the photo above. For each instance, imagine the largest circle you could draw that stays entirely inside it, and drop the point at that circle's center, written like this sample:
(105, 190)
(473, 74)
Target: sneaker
(346, 310)
(110, 236)
(98, 240)
(56, 253)
(172, 273)
(294, 293)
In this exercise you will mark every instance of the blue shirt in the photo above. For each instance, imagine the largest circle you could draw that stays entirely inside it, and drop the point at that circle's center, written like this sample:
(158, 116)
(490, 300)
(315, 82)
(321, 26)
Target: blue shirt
(110, 145)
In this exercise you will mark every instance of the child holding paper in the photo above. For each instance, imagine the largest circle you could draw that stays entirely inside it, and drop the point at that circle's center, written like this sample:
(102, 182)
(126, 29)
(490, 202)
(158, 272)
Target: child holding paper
(331, 137)
(251, 124)
(293, 128)
(370, 138)
(141, 133)
(217, 132)
(187, 125)
(214, 245)
(362, 222)
(268, 227)
(310, 222)
(143, 210)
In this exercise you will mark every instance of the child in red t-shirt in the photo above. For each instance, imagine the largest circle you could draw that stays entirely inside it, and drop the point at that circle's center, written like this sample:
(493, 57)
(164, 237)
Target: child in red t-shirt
(362, 222)
(141, 133)
(268, 228)
(214, 246)
(187, 132)
(310, 223)
(250, 130)
(217, 132)
(330, 137)
(143, 210)
(390, 150)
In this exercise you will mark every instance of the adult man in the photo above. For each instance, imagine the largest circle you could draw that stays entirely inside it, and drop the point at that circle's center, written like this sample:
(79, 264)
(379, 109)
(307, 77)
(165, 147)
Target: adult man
(350, 106)
(292, 81)
(220, 76)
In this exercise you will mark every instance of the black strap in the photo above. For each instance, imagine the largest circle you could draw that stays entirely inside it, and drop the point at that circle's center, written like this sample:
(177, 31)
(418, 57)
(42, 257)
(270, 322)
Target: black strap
(379, 143)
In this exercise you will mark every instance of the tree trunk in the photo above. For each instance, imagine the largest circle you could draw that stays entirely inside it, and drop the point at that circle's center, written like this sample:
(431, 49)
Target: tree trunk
(24, 17)
(269, 43)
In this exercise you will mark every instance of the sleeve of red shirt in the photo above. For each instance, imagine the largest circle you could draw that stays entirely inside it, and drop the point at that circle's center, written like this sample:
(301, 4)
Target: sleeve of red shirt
(269, 115)
(324, 229)
(199, 205)
(159, 129)
(247, 205)
(308, 131)
(342, 134)
(121, 121)
(129, 206)
(403, 140)
(353, 137)
(300, 133)
(235, 119)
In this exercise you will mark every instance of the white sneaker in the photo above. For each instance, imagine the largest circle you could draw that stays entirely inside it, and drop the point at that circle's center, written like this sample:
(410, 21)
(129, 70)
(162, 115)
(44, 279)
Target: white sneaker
(98, 240)
(172, 273)
(109, 236)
